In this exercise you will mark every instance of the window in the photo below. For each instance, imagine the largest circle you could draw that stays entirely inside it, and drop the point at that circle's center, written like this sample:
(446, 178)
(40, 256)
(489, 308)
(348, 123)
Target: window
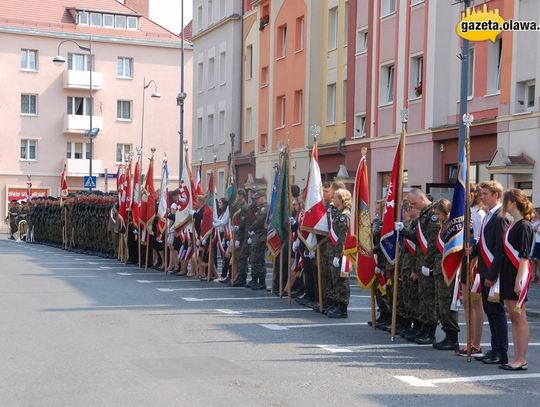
(222, 68)
(79, 62)
(211, 73)
(123, 109)
(280, 112)
(120, 21)
(346, 25)
(82, 18)
(29, 104)
(124, 68)
(282, 42)
(344, 104)
(221, 183)
(387, 84)
(78, 106)
(29, 60)
(331, 104)
(95, 19)
(210, 130)
(298, 106)
(332, 28)
(494, 66)
(249, 62)
(361, 41)
(200, 76)
(221, 127)
(199, 18)
(263, 142)
(525, 96)
(122, 151)
(416, 80)
(28, 150)
(413, 2)
(199, 131)
(299, 37)
(210, 12)
(108, 20)
(132, 23)
(78, 151)
(470, 65)
(264, 76)
(359, 126)
(388, 7)
(249, 124)
(222, 8)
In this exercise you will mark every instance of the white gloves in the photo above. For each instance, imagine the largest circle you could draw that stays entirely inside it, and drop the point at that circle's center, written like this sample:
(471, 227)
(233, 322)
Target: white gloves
(236, 228)
(251, 233)
(249, 240)
(311, 255)
(425, 271)
(292, 221)
(191, 212)
(198, 243)
(335, 262)
(237, 244)
(295, 245)
(398, 226)
(203, 242)
(378, 270)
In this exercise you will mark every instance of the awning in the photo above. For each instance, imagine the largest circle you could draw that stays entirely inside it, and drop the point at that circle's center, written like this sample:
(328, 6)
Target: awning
(510, 164)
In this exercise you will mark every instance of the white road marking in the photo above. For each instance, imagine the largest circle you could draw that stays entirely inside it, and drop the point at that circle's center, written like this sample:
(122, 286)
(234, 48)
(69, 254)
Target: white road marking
(164, 281)
(137, 273)
(75, 276)
(74, 268)
(170, 290)
(278, 310)
(193, 299)
(276, 327)
(359, 348)
(417, 382)
(360, 296)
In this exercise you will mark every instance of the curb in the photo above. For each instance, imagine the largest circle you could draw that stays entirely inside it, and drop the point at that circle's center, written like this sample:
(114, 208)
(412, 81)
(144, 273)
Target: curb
(533, 313)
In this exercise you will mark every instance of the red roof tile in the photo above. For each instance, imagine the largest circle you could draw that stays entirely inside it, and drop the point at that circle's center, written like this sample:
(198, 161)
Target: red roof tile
(55, 15)
(188, 31)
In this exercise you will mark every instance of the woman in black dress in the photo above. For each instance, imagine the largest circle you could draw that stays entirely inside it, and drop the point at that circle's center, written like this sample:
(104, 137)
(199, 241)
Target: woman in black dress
(516, 271)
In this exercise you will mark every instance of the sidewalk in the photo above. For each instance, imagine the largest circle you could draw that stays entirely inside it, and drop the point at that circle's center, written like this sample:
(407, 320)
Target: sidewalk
(533, 301)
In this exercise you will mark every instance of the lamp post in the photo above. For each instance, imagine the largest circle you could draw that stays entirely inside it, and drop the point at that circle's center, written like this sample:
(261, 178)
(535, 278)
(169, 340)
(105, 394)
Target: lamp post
(182, 95)
(91, 132)
(154, 95)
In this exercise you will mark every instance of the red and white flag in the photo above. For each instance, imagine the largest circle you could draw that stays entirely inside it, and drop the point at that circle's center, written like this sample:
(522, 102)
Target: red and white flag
(121, 184)
(184, 201)
(315, 219)
(163, 198)
(127, 182)
(136, 204)
(148, 198)
(63, 186)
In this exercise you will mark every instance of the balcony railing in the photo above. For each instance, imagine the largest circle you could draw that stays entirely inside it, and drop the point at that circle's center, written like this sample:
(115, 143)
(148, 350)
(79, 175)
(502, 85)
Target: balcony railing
(79, 124)
(81, 80)
(79, 167)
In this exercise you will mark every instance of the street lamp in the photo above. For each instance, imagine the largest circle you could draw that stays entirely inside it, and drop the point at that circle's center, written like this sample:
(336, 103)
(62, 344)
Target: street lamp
(91, 132)
(154, 95)
(182, 95)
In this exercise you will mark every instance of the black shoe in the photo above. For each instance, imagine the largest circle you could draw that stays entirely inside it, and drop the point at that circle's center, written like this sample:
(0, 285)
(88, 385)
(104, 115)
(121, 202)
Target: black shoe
(429, 336)
(238, 283)
(258, 286)
(251, 283)
(339, 311)
(496, 358)
(302, 300)
(487, 355)
(226, 281)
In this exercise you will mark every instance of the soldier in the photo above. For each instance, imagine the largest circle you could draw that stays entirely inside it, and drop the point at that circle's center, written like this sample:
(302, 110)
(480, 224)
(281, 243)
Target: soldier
(13, 213)
(425, 234)
(341, 291)
(257, 240)
(239, 213)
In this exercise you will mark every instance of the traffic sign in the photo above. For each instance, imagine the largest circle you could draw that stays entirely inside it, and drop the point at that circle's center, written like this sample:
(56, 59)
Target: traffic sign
(89, 182)
(107, 175)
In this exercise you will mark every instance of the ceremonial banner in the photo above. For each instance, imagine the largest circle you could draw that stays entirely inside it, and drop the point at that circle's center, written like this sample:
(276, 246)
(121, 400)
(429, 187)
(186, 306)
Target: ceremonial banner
(208, 215)
(281, 215)
(185, 200)
(128, 187)
(454, 233)
(388, 234)
(121, 184)
(359, 243)
(315, 219)
(163, 198)
(63, 186)
(148, 198)
(136, 205)
(273, 240)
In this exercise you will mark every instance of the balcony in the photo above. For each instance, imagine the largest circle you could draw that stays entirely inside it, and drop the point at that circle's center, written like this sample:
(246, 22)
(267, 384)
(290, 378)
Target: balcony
(80, 167)
(81, 80)
(74, 123)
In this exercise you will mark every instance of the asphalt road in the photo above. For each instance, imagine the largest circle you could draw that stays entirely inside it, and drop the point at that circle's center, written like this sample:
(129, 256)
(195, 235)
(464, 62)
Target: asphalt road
(77, 330)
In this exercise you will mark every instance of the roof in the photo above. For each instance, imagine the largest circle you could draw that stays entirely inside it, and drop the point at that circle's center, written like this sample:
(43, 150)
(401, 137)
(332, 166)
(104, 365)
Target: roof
(510, 164)
(58, 16)
(188, 31)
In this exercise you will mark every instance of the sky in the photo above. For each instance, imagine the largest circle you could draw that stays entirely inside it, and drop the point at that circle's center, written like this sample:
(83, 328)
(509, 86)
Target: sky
(167, 13)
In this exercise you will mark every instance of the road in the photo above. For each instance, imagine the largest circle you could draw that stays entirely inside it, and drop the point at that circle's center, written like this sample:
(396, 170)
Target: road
(78, 330)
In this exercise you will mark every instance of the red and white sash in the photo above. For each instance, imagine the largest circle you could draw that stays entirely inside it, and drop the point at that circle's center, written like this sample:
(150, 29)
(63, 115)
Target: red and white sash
(346, 267)
(422, 241)
(411, 246)
(332, 234)
(515, 259)
(440, 243)
(476, 286)
(486, 254)
(456, 297)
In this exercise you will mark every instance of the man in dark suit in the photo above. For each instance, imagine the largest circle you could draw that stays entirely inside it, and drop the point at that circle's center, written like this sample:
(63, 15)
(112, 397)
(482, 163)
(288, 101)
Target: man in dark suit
(490, 252)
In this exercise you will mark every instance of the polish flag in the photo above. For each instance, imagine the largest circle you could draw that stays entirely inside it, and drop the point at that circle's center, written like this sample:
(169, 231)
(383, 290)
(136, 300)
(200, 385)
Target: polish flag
(315, 219)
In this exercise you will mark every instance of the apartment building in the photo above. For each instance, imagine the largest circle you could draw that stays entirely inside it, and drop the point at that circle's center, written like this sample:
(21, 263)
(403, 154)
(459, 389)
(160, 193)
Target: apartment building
(46, 117)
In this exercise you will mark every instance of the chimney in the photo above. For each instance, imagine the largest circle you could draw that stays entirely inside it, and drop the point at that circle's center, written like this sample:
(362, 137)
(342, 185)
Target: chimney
(139, 6)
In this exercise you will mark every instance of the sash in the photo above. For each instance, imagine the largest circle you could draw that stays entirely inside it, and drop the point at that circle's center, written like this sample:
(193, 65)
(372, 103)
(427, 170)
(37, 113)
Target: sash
(332, 234)
(486, 254)
(346, 267)
(440, 243)
(422, 241)
(513, 255)
(456, 298)
(495, 291)
(476, 286)
(410, 245)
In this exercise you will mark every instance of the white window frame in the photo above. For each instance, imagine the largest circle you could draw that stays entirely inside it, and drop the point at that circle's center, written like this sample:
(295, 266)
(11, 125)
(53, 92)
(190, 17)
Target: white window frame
(249, 62)
(200, 140)
(494, 67)
(388, 7)
(298, 97)
(72, 105)
(27, 53)
(331, 99)
(123, 151)
(211, 72)
(362, 39)
(387, 84)
(210, 12)
(299, 39)
(221, 183)
(470, 68)
(333, 21)
(111, 17)
(416, 75)
(121, 110)
(281, 110)
(249, 124)
(30, 96)
(210, 130)
(222, 68)
(124, 61)
(71, 150)
(79, 17)
(221, 126)
(199, 18)
(73, 62)
(27, 150)
(200, 77)
(282, 38)
(129, 25)
(117, 19)
(359, 125)
(346, 24)
(222, 8)
(100, 16)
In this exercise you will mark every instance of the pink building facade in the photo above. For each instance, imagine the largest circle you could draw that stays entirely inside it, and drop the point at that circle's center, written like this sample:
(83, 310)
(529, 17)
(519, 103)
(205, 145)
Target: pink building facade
(47, 114)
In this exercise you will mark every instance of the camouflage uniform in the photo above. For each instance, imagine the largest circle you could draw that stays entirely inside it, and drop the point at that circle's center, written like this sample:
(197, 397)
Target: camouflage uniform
(240, 219)
(257, 232)
(381, 293)
(326, 263)
(408, 289)
(340, 283)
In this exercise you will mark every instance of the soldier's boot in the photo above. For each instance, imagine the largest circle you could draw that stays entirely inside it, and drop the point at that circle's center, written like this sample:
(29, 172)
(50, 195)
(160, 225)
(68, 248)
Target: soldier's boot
(239, 282)
(261, 283)
(385, 322)
(419, 331)
(429, 337)
(379, 319)
(252, 281)
(412, 329)
(339, 311)
(402, 325)
(450, 342)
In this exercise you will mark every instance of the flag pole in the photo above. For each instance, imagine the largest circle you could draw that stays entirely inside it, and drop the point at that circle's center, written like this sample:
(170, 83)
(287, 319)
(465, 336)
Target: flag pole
(212, 233)
(139, 153)
(467, 120)
(399, 193)
(319, 245)
(147, 237)
(233, 265)
(289, 273)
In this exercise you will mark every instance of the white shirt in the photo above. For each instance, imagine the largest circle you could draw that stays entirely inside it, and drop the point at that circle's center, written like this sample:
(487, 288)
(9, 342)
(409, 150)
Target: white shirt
(477, 216)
